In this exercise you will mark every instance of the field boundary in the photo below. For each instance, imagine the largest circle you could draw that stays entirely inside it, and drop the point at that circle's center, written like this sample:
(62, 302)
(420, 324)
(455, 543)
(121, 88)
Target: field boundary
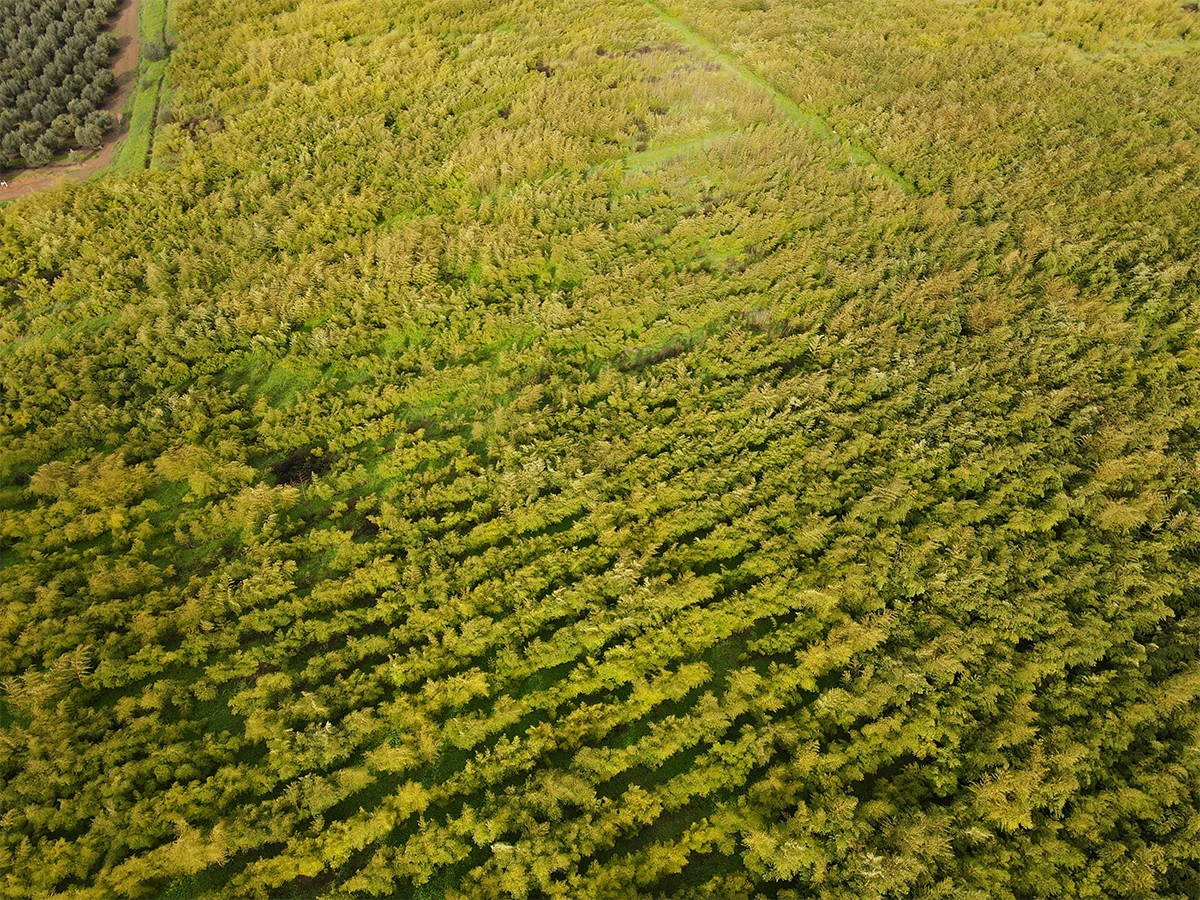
(135, 151)
(785, 105)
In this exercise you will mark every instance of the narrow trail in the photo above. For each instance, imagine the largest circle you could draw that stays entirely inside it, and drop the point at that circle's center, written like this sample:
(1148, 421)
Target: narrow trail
(83, 165)
(646, 158)
(786, 106)
(641, 159)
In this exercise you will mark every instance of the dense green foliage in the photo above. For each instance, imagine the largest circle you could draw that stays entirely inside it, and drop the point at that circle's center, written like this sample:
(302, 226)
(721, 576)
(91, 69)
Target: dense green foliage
(54, 76)
(520, 449)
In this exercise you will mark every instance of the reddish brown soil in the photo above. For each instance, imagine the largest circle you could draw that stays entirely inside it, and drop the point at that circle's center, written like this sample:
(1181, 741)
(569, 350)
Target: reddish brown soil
(83, 164)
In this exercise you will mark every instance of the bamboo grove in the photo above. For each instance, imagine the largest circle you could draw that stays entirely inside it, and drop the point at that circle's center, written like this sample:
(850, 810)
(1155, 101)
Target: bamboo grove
(615, 449)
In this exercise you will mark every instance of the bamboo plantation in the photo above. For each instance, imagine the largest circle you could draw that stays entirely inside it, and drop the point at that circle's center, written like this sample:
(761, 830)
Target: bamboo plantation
(615, 449)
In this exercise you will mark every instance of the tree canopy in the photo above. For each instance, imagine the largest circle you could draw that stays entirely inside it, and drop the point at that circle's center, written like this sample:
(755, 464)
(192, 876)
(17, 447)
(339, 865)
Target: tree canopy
(578, 449)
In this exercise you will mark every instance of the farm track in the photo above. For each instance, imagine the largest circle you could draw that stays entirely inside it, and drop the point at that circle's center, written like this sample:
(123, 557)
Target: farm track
(786, 106)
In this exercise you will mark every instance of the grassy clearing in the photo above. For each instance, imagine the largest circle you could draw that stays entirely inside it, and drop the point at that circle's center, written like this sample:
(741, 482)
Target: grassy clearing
(154, 20)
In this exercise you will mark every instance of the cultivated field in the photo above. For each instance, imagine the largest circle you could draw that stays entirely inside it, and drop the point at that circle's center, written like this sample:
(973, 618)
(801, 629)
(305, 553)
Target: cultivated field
(614, 449)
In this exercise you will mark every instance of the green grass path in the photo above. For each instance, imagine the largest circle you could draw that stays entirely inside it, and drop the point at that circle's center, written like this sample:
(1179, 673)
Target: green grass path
(646, 158)
(134, 153)
(786, 106)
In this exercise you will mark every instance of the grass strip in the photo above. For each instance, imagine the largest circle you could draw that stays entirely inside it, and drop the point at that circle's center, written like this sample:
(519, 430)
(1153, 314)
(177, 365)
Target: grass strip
(784, 104)
(135, 151)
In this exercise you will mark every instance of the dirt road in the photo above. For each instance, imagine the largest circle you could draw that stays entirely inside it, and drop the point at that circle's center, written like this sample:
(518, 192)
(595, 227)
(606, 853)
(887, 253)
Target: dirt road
(84, 164)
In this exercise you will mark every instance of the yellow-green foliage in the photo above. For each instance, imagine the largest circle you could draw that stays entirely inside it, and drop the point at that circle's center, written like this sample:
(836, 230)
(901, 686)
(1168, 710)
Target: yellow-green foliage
(612, 449)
